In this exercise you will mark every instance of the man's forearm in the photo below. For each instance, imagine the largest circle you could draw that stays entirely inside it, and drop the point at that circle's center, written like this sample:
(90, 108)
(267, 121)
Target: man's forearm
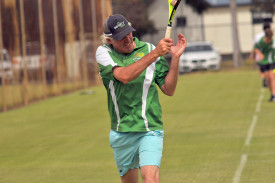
(131, 72)
(169, 86)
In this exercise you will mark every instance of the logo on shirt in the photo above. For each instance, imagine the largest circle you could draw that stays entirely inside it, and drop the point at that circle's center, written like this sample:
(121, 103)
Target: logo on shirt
(138, 56)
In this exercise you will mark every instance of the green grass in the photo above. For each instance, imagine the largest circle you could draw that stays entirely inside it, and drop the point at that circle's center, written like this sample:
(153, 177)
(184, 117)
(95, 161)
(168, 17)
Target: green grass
(65, 139)
(14, 93)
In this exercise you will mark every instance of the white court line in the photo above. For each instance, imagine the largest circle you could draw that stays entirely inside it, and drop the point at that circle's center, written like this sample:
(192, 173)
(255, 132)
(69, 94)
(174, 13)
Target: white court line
(258, 106)
(251, 129)
(238, 173)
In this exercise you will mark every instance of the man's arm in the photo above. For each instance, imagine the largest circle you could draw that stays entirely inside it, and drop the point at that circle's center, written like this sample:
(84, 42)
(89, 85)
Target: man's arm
(259, 53)
(131, 72)
(252, 54)
(171, 79)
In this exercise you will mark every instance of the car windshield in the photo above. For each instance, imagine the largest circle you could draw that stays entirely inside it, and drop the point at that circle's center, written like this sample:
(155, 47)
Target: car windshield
(197, 48)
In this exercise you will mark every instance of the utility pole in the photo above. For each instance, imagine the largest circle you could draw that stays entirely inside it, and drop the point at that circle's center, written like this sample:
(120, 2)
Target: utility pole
(237, 57)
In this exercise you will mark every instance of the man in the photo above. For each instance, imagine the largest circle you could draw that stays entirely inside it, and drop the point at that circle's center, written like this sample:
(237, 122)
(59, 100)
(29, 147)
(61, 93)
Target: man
(130, 70)
(254, 56)
(265, 49)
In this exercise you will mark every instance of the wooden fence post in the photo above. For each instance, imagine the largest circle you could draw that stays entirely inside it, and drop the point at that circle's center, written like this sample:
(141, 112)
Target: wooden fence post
(94, 39)
(57, 51)
(23, 42)
(42, 47)
(83, 44)
(4, 102)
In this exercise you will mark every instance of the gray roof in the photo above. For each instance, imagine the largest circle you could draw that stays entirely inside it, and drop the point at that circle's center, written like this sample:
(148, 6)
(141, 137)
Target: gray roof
(226, 2)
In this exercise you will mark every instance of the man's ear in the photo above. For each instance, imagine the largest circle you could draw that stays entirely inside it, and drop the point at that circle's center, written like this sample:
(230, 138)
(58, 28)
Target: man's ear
(109, 41)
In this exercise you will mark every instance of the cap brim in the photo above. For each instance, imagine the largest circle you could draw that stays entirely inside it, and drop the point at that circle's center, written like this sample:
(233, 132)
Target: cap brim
(119, 36)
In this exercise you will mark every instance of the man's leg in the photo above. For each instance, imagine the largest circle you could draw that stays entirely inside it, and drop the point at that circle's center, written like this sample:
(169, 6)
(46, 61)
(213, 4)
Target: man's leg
(268, 79)
(150, 174)
(130, 177)
(272, 82)
(263, 79)
(262, 70)
(125, 150)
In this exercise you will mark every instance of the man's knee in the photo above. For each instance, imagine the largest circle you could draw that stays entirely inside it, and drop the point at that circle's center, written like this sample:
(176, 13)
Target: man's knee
(130, 177)
(149, 178)
(150, 174)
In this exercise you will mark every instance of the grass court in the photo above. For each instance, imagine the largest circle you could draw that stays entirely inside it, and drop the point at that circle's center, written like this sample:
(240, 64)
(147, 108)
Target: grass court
(219, 128)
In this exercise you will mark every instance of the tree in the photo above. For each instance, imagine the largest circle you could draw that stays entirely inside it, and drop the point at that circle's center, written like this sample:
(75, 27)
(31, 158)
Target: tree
(10, 26)
(136, 13)
(262, 11)
(237, 57)
(198, 5)
(263, 5)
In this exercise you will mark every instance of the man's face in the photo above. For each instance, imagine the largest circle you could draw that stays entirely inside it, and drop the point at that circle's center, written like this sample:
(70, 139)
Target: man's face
(125, 46)
(268, 35)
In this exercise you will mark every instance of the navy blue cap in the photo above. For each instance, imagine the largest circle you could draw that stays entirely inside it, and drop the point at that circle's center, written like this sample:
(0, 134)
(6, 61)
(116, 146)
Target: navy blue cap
(117, 27)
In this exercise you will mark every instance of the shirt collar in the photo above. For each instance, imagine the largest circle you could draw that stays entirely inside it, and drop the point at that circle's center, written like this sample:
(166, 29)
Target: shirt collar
(138, 43)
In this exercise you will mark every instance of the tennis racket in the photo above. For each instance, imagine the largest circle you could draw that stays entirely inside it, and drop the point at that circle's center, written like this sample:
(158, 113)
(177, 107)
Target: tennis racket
(173, 5)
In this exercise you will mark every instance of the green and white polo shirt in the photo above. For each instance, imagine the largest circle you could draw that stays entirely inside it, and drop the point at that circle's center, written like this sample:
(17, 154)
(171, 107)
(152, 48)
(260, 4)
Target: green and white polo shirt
(267, 50)
(133, 107)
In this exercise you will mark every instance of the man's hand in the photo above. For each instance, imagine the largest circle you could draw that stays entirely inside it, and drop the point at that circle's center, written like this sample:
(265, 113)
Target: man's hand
(163, 47)
(176, 51)
(259, 54)
(252, 55)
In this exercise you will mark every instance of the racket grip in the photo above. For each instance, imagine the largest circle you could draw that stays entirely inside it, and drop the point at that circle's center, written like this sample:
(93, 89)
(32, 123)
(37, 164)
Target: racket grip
(168, 32)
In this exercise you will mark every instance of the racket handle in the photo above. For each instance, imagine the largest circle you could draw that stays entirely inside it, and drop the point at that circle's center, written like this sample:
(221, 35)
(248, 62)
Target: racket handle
(168, 32)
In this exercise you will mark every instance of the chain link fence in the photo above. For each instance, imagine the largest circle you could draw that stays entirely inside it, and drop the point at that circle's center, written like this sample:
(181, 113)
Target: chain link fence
(47, 48)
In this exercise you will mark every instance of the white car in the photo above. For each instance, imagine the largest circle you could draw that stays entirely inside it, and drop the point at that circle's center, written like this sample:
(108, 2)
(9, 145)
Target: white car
(199, 56)
(8, 75)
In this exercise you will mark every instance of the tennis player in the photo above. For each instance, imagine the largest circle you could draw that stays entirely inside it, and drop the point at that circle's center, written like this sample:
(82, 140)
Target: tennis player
(265, 49)
(130, 70)
(254, 56)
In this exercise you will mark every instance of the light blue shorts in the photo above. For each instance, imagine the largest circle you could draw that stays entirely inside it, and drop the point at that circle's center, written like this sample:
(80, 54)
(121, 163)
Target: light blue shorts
(136, 149)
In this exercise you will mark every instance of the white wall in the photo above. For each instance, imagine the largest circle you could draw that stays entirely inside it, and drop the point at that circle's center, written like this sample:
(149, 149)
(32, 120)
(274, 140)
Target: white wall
(219, 31)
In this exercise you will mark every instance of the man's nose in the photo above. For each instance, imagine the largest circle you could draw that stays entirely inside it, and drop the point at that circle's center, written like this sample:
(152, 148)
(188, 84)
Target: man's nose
(128, 36)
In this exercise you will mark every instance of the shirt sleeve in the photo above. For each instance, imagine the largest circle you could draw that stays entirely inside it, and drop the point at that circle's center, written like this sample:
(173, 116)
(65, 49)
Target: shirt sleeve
(258, 37)
(105, 62)
(257, 45)
(162, 69)
(273, 51)
(273, 44)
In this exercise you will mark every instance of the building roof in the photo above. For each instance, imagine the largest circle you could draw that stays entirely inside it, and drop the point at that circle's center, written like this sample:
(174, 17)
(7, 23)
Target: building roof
(226, 2)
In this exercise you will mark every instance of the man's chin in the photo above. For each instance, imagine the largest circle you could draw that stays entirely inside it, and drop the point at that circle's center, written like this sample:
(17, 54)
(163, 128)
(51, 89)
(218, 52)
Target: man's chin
(129, 48)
